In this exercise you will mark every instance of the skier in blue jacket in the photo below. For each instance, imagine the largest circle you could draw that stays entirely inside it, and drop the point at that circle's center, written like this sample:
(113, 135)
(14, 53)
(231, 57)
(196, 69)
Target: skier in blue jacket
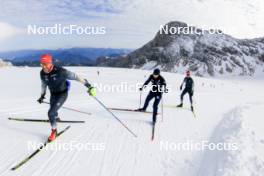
(57, 80)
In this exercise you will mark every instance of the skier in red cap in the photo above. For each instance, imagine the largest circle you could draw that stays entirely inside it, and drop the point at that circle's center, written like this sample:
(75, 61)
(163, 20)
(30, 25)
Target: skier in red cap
(45, 58)
(57, 80)
(189, 84)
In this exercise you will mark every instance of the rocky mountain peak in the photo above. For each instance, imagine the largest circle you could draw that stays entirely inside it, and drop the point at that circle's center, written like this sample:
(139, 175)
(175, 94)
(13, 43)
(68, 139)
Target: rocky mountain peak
(178, 47)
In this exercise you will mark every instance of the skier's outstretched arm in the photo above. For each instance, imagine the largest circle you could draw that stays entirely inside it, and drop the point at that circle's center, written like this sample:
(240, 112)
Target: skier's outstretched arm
(43, 88)
(145, 83)
(184, 80)
(73, 76)
(43, 91)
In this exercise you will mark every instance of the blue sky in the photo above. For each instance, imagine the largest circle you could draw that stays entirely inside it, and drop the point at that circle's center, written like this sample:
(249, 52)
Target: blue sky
(129, 23)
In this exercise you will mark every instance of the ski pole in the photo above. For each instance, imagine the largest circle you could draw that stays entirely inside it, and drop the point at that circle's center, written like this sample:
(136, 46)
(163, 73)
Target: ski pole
(115, 116)
(140, 99)
(162, 109)
(71, 109)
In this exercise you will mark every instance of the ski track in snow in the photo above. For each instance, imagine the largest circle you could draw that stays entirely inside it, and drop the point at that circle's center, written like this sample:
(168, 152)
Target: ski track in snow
(229, 121)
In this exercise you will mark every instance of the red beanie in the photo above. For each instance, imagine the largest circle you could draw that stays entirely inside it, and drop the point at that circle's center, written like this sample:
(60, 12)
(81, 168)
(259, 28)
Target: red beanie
(46, 58)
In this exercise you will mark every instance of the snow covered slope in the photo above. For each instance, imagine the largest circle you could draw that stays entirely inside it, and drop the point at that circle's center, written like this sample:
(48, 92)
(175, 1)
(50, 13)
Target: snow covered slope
(228, 111)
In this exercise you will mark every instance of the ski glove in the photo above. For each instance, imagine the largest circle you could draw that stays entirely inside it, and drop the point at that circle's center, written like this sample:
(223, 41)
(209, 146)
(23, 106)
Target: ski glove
(87, 84)
(40, 100)
(141, 88)
(92, 91)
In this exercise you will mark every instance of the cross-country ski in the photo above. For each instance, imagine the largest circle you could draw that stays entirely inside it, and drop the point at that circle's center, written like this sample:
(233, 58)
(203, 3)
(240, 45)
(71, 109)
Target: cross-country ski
(43, 120)
(153, 131)
(131, 110)
(37, 151)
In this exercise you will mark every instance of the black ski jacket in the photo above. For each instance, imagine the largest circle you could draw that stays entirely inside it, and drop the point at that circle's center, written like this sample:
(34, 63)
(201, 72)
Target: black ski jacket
(56, 80)
(158, 84)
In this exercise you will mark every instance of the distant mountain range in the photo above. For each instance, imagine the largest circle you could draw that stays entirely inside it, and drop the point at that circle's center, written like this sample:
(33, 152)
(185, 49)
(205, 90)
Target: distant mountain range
(204, 54)
(67, 57)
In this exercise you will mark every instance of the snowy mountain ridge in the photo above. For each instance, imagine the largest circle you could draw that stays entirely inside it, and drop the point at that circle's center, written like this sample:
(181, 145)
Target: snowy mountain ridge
(205, 54)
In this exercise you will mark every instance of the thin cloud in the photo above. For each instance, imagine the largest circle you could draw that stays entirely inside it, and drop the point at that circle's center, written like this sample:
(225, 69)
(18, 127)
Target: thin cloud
(132, 23)
(7, 30)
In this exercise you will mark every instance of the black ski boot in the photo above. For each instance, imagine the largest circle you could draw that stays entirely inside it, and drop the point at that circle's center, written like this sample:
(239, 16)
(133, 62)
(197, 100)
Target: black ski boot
(154, 118)
(58, 119)
(180, 105)
(141, 110)
(153, 129)
(192, 108)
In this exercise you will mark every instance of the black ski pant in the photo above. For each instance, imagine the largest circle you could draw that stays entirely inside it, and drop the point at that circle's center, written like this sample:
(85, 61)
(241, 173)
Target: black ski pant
(56, 101)
(190, 92)
(157, 96)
